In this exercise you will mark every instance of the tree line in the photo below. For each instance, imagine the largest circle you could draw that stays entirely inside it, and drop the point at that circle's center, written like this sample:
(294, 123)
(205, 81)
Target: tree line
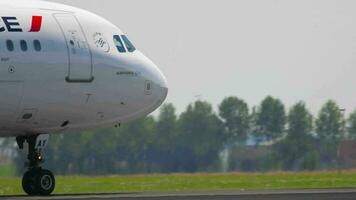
(193, 140)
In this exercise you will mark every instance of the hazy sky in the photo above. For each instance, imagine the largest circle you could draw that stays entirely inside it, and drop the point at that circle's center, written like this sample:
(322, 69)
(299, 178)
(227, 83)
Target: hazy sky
(293, 50)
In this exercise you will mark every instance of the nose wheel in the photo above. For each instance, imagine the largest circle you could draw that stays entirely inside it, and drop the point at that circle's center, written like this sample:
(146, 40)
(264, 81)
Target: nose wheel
(36, 181)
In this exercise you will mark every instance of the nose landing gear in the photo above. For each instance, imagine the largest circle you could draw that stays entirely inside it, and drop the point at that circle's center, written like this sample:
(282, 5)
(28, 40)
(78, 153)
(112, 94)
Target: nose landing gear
(36, 181)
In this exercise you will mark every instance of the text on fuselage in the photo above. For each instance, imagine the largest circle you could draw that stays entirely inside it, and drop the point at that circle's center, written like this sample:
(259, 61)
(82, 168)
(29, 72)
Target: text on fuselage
(11, 24)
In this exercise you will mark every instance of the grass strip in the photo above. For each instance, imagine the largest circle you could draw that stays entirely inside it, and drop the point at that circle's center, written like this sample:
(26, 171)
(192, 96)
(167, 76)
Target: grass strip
(191, 182)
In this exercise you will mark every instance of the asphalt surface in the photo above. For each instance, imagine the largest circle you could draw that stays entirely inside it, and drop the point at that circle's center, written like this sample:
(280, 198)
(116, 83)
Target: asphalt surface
(329, 194)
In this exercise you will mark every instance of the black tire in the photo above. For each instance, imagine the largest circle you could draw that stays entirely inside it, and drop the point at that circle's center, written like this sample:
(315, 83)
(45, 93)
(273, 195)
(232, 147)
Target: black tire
(45, 182)
(29, 182)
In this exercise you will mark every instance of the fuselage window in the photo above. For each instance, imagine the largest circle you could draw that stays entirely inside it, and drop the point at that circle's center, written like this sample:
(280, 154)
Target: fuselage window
(118, 43)
(130, 47)
(23, 45)
(10, 45)
(37, 45)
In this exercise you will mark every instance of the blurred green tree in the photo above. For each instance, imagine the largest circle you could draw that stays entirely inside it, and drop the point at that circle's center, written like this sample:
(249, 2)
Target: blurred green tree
(270, 119)
(200, 137)
(351, 129)
(165, 141)
(235, 115)
(138, 142)
(67, 153)
(294, 148)
(330, 129)
(166, 128)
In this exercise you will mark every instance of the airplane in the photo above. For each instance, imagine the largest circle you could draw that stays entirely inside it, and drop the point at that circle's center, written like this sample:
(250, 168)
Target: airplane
(64, 68)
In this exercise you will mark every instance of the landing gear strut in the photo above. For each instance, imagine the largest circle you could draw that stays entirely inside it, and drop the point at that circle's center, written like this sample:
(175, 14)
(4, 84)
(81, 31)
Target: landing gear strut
(36, 181)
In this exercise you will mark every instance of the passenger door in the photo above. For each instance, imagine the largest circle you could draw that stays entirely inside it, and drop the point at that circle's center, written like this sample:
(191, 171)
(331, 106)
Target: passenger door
(80, 67)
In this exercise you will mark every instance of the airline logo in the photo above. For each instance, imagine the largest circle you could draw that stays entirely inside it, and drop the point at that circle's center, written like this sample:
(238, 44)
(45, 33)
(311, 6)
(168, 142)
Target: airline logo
(11, 24)
(36, 24)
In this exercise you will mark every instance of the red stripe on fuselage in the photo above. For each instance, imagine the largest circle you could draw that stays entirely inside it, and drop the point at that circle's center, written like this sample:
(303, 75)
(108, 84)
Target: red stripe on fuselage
(36, 24)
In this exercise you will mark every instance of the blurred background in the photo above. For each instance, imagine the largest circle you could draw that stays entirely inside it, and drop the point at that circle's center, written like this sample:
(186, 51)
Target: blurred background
(267, 137)
(255, 85)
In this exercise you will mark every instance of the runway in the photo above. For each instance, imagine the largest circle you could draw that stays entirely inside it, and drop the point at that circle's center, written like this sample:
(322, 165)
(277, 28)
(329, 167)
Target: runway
(325, 194)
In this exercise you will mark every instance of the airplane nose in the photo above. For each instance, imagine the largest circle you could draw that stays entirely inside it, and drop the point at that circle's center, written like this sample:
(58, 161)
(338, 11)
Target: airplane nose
(165, 89)
(162, 82)
(156, 76)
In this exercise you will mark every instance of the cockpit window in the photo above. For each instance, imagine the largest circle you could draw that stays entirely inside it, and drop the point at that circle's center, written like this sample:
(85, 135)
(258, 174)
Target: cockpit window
(130, 47)
(119, 45)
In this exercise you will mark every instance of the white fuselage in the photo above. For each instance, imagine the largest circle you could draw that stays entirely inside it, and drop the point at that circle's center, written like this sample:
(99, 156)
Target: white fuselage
(78, 78)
